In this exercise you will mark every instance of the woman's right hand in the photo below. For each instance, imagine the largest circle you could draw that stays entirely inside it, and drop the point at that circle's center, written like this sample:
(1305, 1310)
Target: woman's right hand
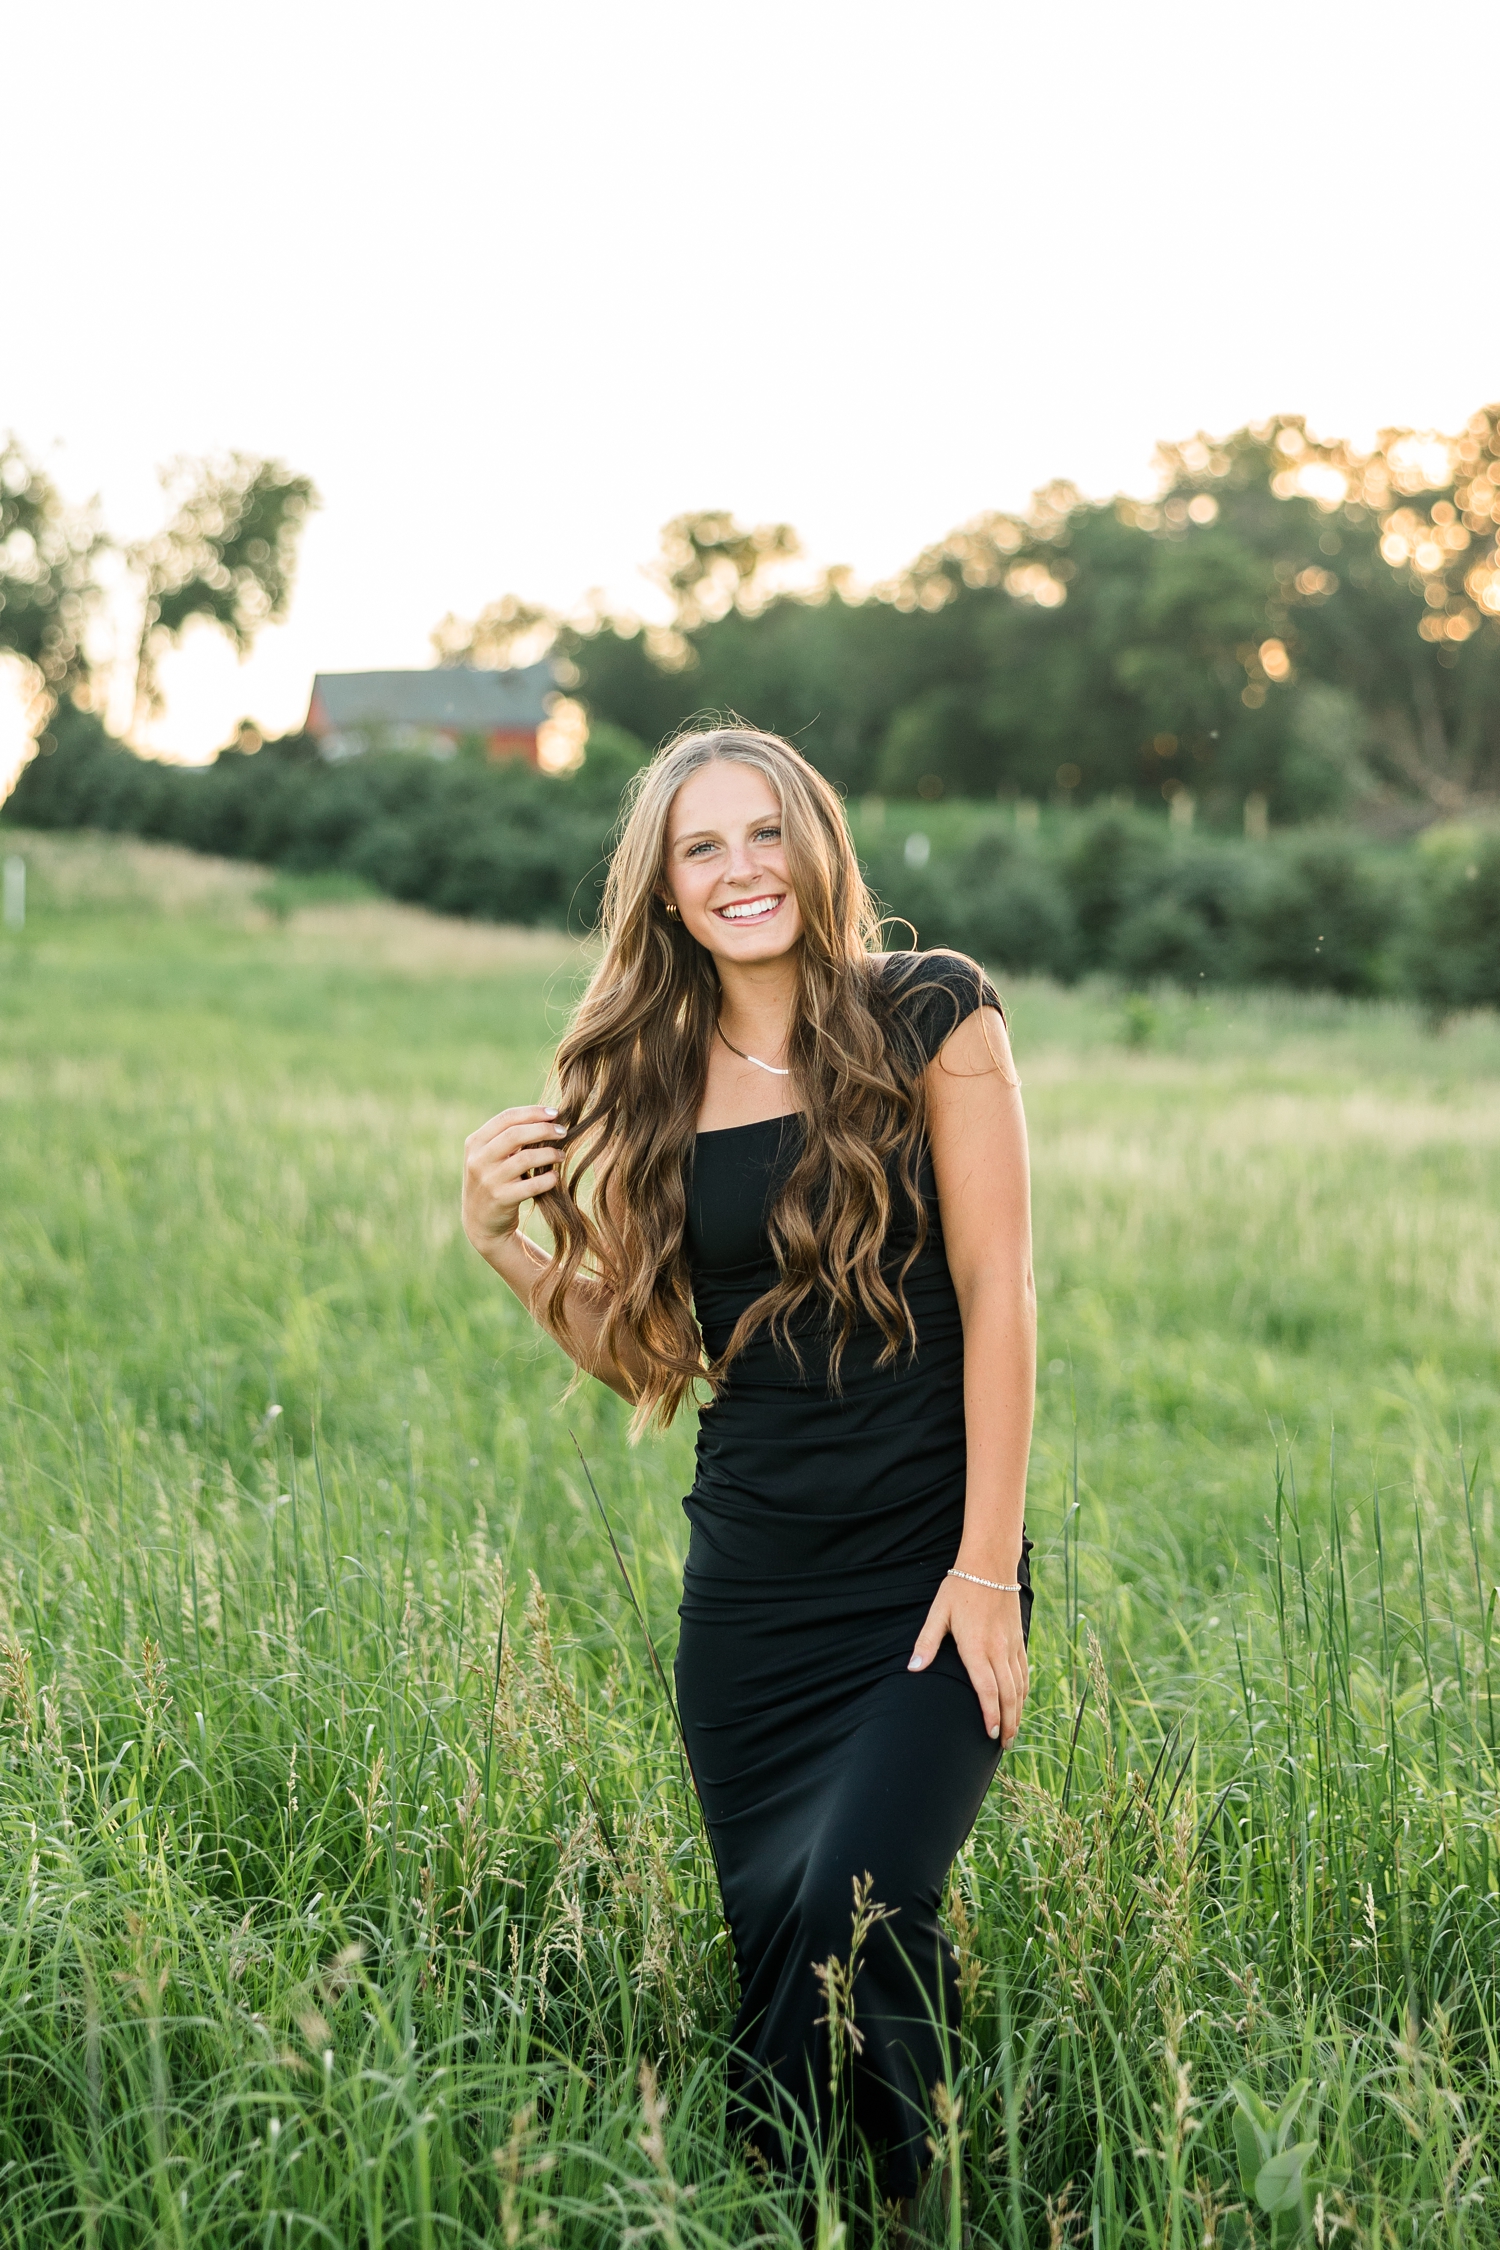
(506, 1163)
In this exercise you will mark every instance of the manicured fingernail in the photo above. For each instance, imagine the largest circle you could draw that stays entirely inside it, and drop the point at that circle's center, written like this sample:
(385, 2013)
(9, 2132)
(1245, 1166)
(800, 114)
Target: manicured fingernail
(916, 1664)
(994, 1734)
(550, 1113)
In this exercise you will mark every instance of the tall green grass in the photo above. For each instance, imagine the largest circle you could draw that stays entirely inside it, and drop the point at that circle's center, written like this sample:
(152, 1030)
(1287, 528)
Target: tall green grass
(350, 1890)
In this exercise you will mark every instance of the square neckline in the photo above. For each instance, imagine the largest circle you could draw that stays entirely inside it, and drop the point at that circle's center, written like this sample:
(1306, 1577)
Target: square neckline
(985, 996)
(714, 1132)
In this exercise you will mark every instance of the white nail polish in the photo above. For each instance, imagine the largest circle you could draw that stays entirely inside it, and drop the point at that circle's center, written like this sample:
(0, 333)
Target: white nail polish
(994, 1734)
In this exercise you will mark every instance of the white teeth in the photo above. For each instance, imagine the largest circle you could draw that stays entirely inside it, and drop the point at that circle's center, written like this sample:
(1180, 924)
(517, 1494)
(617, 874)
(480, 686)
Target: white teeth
(751, 911)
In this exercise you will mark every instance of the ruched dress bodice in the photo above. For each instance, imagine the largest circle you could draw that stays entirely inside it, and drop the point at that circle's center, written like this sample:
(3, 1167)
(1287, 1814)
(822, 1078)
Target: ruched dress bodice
(774, 1508)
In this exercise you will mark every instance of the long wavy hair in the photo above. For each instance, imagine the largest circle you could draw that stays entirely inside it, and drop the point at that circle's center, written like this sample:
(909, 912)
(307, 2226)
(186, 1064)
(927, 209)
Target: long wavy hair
(630, 1075)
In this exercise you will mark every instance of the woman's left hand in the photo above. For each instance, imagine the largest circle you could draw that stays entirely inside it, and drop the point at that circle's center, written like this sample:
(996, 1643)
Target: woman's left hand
(986, 1629)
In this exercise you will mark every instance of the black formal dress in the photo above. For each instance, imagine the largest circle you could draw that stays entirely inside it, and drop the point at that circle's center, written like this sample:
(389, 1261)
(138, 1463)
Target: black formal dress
(823, 1521)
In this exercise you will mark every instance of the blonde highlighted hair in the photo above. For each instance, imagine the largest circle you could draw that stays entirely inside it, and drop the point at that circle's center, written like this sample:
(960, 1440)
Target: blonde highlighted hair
(630, 1076)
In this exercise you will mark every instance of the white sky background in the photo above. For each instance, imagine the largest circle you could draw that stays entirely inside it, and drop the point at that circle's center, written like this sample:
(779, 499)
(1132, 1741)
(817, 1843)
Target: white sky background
(516, 285)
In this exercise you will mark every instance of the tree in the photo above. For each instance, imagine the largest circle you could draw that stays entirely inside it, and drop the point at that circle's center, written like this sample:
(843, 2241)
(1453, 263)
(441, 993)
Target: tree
(712, 568)
(710, 564)
(1387, 582)
(505, 633)
(227, 555)
(47, 583)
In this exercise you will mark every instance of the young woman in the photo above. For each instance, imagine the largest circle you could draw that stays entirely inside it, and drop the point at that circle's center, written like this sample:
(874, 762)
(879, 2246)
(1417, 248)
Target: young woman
(809, 1204)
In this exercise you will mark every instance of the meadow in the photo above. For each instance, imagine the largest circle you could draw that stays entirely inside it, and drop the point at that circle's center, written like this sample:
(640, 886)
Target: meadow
(351, 1892)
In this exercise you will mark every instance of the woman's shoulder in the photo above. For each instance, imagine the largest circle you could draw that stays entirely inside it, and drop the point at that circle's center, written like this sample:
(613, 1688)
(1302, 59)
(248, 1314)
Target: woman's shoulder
(910, 976)
(934, 992)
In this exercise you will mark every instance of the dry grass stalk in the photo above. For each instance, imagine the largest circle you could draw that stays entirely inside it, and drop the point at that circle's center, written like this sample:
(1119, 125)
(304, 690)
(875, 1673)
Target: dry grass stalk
(838, 1979)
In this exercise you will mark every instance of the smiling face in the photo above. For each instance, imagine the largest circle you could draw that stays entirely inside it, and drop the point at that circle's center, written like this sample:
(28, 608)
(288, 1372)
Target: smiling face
(725, 865)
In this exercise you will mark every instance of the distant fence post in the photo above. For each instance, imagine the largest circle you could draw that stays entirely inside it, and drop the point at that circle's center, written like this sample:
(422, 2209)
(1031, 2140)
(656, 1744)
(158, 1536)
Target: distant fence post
(15, 892)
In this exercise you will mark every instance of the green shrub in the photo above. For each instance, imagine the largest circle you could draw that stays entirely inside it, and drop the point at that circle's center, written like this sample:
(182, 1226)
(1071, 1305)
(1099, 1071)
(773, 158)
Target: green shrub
(499, 842)
(1320, 914)
(994, 897)
(1181, 923)
(1110, 890)
(1109, 865)
(1453, 958)
(1010, 908)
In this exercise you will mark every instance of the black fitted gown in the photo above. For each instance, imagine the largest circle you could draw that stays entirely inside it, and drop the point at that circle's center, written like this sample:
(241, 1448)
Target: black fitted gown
(822, 1524)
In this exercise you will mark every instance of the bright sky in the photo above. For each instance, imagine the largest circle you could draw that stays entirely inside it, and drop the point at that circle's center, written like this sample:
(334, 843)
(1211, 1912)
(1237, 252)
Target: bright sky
(514, 285)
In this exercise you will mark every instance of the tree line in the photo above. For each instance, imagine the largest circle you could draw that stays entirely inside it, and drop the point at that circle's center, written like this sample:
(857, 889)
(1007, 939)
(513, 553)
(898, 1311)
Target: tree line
(1291, 620)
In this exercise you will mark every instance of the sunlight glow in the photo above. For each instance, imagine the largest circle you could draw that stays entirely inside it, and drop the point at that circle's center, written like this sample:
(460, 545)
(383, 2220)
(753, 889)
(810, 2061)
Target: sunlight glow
(561, 739)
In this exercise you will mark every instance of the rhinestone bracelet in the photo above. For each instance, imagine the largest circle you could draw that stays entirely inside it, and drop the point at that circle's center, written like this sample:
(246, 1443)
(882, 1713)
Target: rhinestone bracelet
(993, 1584)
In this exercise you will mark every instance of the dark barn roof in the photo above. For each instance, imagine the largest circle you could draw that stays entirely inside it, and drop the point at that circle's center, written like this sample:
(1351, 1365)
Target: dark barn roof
(451, 698)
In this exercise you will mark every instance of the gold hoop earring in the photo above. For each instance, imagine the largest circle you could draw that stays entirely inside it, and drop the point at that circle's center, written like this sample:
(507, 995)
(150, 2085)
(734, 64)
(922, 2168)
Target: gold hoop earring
(671, 908)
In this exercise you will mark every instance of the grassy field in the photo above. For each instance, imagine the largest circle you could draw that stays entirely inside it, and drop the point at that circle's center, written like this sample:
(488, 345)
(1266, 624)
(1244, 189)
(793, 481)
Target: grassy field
(332, 1914)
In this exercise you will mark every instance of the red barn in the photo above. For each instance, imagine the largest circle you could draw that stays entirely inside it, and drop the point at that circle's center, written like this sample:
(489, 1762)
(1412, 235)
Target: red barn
(352, 712)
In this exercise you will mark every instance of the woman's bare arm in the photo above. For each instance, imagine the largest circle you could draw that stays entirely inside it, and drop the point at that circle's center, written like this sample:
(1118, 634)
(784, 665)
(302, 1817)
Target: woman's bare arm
(508, 1162)
(977, 1130)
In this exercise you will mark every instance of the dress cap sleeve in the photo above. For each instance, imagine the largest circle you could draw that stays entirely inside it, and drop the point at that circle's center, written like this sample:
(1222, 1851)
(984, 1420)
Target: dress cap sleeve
(935, 992)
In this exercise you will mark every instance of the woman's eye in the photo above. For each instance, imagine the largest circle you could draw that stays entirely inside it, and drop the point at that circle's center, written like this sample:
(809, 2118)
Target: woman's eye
(768, 836)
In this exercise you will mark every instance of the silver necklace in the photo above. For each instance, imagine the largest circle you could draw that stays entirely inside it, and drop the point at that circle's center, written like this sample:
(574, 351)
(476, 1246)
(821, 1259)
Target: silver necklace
(734, 1050)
